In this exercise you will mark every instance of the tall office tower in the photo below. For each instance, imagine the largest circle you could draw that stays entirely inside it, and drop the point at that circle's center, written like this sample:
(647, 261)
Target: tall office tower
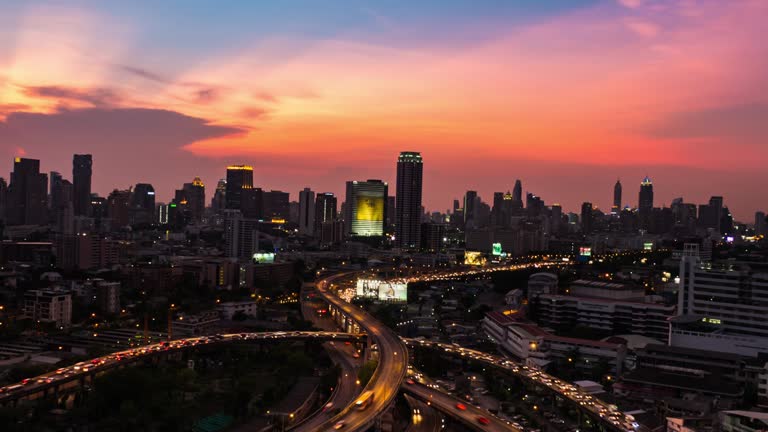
(408, 211)
(142, 205)
(64, 213)
(645, 203)
(118, 205)
(325, 210)
(3, 203)
(456, 206)
(27, 194)
(82, 170)
(143, 197)
(218, 202)
(586, 217)
(498, 210)
(252, 203)
(239, 177)
(616, 198)
(517, 192)
(711, 215)
(470, 203)
(556, 218)
(307, 212)
(761, 224)
(277, 205)
(534, 205)
(54, 190)
(195, 194)
(389, 210)
(645, 200)
(365, 208)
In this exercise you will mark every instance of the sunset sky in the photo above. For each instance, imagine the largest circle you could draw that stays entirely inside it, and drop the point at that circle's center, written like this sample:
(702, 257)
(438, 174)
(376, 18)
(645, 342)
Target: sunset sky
(567, 95)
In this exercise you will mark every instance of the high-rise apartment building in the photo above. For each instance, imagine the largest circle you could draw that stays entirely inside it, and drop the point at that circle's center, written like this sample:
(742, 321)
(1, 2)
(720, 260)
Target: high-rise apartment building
(195, 194)
(408, 200)
(325, 209)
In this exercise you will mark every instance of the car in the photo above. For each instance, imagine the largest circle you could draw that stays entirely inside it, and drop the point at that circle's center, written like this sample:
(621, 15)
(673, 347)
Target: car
(483, 421)
(410, 381)
(356, 355)
(328, 406)
(347, 343)
(461, 407)
(339, 425)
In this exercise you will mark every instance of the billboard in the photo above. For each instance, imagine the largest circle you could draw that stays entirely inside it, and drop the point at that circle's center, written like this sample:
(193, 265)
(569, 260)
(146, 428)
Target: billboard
(263, 257)
(474, 258)
(382, 290)
(648, 246)
(496, 249)
(585, 251)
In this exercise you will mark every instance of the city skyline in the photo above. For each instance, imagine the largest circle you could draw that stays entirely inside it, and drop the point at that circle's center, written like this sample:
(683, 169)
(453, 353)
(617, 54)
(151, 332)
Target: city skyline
(359, 82)
(486, 197)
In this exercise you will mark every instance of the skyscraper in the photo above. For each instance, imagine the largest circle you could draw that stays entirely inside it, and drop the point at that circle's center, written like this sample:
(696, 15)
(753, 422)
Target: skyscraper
(325, 209)
(27, 194)
(195, 193)
(239, 177)
(645, 203)
(586, 217)
(364, 209)
(3, 203)
(645, 200)
(218, 201)
(517, 192)
(470, 200)
(82, 170)
(118, 205)
(307, 212)
(408, 200)
(142, 205)
(277, 205)
(616, 198)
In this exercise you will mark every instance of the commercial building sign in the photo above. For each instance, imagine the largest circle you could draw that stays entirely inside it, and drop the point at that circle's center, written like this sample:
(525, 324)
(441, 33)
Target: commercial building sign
(382, 290)
(496, 249)
(263, 257)
(474, 258)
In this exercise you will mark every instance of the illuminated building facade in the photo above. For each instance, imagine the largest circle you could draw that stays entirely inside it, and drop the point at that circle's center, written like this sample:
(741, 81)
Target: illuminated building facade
(365, 208)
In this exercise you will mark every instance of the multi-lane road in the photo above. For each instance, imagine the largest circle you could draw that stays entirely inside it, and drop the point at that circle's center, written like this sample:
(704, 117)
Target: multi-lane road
(471, 416)
(390, 372)
(608, 414)
(70, 375)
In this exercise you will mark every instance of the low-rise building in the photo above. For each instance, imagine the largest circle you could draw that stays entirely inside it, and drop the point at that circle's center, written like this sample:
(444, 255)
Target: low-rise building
(49, 306)
(537, 347)
(228, 309)
(743, 421)
(612, 316)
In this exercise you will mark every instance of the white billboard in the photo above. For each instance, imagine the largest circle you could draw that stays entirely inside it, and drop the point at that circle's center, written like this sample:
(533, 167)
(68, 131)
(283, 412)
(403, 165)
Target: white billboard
(382, 290)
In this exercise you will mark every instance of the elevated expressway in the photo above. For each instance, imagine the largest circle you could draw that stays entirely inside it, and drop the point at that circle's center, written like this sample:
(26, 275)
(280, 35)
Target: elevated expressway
(83, 372)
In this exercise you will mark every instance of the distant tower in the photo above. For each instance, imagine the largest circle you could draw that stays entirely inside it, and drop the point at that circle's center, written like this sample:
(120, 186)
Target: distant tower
(27, 200)
(218, 202)
(195, 194)
(408, 200)
(645, 202)
(82, 170)
(307, 212)
(239, 177)
(470, 201)
(616, 198)
(517, 192)
(586, 217)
